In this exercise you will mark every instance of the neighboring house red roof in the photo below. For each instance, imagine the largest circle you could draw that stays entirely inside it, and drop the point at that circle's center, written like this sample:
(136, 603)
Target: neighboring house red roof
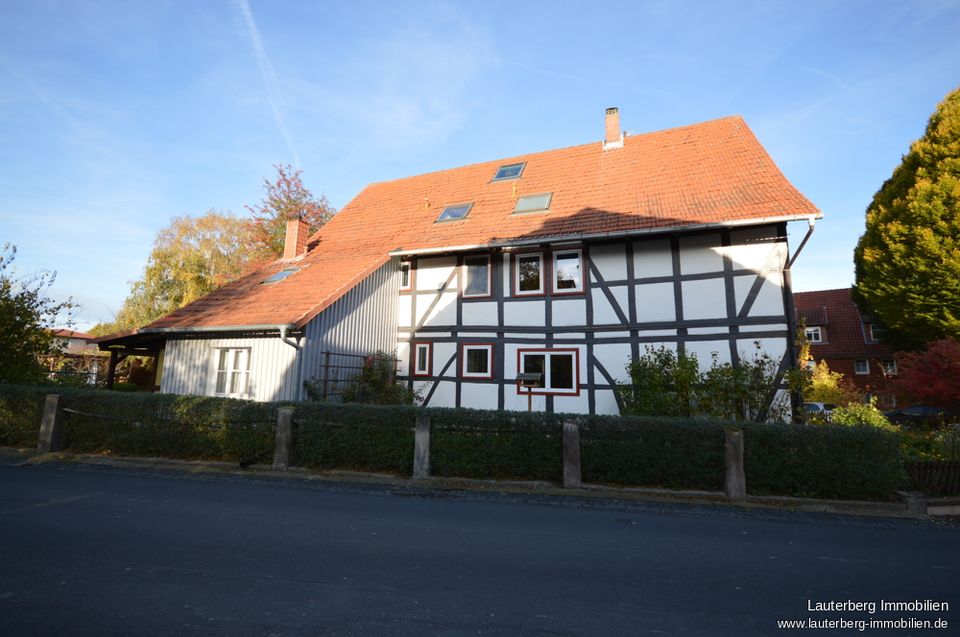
(65, 333)
(844, 329)
(711, 173)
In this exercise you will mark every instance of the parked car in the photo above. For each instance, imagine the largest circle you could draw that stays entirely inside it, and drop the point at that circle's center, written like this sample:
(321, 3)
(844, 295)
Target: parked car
(920, 415)
(818, 411)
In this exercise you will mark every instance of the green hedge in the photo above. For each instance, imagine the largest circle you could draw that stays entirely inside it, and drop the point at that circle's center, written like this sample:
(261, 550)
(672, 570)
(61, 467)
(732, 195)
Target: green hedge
(814, 461)
(675, 453)
(144, 424)
(824, 461)
(351, 436)
(20, 412)
(474, 443)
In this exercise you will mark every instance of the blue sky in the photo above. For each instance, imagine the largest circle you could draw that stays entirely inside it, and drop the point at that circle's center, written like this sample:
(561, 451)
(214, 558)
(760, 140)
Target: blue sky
(117, 116)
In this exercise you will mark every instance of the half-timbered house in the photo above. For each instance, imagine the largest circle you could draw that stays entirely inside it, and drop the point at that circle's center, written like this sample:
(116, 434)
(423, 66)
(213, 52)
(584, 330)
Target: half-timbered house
(562, 265)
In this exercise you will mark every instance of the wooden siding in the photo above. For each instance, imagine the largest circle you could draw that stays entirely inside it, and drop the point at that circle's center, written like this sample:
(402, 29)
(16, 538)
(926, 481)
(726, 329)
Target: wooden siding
(363, 321)
(190, 366)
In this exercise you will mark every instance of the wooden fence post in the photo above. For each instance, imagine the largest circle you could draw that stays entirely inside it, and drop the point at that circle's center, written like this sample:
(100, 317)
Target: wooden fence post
(50, 425)
(571, 454)
(421, 448)
(736, 480)
(283, 439)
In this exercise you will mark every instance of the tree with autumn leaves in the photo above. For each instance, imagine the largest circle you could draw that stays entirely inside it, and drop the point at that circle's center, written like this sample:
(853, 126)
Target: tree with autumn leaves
(908, 259)
(193, 256)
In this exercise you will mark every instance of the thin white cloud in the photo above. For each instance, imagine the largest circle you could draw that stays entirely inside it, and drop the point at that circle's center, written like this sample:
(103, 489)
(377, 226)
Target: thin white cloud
(269, 75)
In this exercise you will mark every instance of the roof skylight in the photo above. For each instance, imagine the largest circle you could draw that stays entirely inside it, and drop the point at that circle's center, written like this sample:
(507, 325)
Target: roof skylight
(455, 212)
(510, 171)
(534, 203)
(280, 276)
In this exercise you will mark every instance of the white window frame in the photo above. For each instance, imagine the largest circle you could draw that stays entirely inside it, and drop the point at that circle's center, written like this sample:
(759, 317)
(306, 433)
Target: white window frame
(573, 354)
(488, 348)
(810, 331)
(889, 366)
(579, 287)
(516, 274)
(417, 370)
(466, 278)
(408, 266)
(866, 367)
(231, 370)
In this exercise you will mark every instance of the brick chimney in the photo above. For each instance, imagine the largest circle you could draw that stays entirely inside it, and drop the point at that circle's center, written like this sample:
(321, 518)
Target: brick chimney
(613, 137)
(295, 242)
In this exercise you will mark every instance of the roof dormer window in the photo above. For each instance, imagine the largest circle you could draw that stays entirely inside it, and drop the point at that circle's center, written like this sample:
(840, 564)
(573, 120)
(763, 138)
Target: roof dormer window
(534, 203)
(510, 171)
(455, 212)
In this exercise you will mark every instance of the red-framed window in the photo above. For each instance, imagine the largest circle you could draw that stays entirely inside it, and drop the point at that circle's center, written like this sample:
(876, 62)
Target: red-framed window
(529, 276)
(423, 359)
(559, 370)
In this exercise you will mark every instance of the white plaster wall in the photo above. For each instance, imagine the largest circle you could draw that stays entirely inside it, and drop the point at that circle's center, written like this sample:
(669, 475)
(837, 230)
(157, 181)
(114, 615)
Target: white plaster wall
(606, 402)
(603, 335)
(701, 253)
(705, 299)
(771, 327)
(572, 404)
(403, 358)
(610, 260)
(403, 310)
(445, 394)
(655, 302)
(444, 313)
(774, 347)
(614, 358)
(768, 302)
(523, 313)
(480, 314)
(652, 258)
(603, 312)
(442, 352)
(479, 395)
(515, 402)
(569, 312)
(433, 273)
(719, 331)
(756, 249)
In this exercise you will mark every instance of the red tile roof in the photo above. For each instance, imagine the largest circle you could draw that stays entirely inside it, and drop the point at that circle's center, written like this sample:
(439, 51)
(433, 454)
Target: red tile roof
(844, 330)
(65, 333)
(715, 172)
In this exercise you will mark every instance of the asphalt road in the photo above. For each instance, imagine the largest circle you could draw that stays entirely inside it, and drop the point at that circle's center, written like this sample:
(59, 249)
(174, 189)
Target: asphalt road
(111, 552)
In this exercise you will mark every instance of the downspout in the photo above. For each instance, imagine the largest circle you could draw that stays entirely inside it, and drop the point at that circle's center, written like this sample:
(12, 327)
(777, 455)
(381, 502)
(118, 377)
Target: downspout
(791, 310)
(295, 344)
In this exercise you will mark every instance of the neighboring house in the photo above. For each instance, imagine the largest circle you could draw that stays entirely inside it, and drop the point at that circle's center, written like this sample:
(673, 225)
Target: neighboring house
(565, 264)
(848, 341)
(71, 342)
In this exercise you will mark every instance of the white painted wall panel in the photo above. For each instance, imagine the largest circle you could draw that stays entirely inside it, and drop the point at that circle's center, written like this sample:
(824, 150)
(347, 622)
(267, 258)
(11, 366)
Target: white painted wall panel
(444, 313)
(403, 310)
(756, 249)
(652, 258)
(774, 347)
(572, 404)
(769, 301)
(610, 260)
(606, 403)
(655, 302)
(569, 312)
(480, 314)
(403, 358)
(433, 273)
(705, 299)
(479, 395)
(445, 394)
(523, 313)
(614, 358)
(701, 253)
(442, 353)
(721, 332)
(772, 327)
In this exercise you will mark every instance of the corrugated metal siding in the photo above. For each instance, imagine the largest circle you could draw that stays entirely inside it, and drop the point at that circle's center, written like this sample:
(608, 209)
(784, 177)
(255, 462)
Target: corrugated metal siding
(189, 366)
(363, 321)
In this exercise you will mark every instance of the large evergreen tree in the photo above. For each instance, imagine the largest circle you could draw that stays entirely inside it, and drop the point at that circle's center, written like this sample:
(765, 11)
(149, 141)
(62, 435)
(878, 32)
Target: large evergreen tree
(908, 259)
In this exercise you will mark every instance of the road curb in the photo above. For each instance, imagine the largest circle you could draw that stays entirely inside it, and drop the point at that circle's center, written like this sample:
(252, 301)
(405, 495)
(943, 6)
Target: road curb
(29, 457)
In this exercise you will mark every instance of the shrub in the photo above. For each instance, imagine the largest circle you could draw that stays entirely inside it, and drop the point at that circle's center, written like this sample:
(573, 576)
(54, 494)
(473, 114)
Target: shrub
(862, 414)
(353, 436)
(828, 461)
(20, 411)
(473, 443)
(665, 452)
(662, 383)
(745, 391)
